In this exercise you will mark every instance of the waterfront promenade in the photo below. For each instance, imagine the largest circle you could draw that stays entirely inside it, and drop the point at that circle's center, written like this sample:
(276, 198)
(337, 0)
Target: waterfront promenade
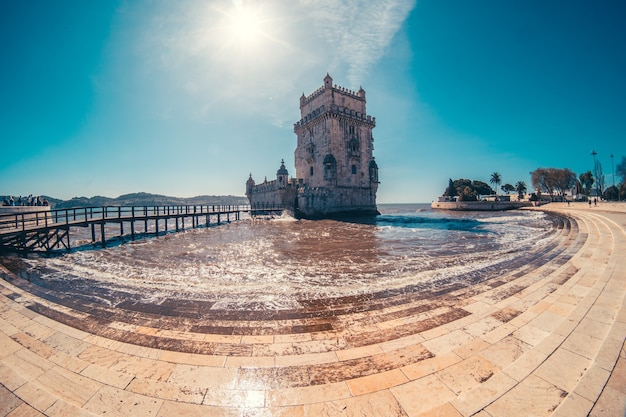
(543, 339)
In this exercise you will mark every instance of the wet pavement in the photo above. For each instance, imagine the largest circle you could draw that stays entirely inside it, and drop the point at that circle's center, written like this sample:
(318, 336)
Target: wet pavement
(542, 336)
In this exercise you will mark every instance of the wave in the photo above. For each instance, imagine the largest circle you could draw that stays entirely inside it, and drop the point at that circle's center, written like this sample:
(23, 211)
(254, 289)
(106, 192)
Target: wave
(428, 222)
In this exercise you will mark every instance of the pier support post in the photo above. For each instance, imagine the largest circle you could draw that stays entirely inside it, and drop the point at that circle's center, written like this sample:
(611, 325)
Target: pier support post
(102, 236)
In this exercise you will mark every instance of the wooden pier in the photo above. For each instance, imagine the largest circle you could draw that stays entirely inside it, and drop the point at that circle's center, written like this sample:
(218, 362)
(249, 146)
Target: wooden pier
(50, 230)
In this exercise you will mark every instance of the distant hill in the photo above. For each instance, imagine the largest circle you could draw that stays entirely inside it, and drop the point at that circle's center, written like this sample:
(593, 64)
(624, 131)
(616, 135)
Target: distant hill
(146, 199)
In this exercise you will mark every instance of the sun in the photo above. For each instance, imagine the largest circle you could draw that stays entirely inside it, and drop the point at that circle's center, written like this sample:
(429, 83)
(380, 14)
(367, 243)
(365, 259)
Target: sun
(246, 25)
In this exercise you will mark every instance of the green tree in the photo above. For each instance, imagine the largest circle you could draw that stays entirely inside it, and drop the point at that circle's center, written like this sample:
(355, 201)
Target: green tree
(553, 180)
(451, 191)
(468, 194)
(507, 188)
(482, 188)
(496, 179)
(586, 180)
(611, 193)
(620, 169)
(521, 189)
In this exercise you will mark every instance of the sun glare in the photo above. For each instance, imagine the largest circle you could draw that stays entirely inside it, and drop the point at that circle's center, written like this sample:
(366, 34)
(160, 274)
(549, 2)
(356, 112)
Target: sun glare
(246, 26)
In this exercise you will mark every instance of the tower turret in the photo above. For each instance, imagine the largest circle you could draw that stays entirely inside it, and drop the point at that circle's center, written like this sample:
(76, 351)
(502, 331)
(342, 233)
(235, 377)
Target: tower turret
(249, 186)
(282, 175)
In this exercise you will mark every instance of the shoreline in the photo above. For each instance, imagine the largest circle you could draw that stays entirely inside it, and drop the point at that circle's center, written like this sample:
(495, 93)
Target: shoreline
(553, 332)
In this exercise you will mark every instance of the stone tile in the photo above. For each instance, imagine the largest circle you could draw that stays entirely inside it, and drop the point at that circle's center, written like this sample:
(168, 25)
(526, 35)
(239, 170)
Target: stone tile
(472, 401)
(192, 358)
(10, 378)
(144, 368)
(422, 395)
(68, 362)
(573, 406)
(8, 345)
(37, 330)
(525, 364)
(594, 328)
(467, 374)
(401, 343)
(306, 359)
(28, 364)
(376, 382)
(445, 410)
(429, 366)
(166, 391)
(563, 369)
(25, 410)
(499, 333)
(471, 348)
(203, 377)
(250, 362)
(229, 397)
(308, 394)
(112, 401)
(177, 409)
(545, 399)
(68, 386)
(8, 401)
(505, 351)
(547, 321)
(592, 383)
(610, 404)
(107, 376)
(380, 403)
(359, 352)
(582, 344)
(447, 342)
(530, 334)
(36, 396)
(97, 355)
(482, 327)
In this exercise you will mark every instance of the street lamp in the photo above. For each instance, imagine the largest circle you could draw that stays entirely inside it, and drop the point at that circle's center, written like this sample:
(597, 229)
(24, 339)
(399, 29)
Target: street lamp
(595, 170)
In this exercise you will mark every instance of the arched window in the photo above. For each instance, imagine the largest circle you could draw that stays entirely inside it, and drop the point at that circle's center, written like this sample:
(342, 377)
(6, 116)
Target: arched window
(311, 170)
(354, 169)
(330, 168)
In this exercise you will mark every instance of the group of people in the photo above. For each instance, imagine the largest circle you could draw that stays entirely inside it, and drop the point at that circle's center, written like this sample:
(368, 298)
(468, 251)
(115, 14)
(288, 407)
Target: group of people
(25, 201)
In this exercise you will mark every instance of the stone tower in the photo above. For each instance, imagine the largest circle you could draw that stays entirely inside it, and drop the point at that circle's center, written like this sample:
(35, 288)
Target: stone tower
(334, 154)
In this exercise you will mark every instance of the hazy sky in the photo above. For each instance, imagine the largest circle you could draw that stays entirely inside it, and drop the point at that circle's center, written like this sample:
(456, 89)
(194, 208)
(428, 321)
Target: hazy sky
(188, 97)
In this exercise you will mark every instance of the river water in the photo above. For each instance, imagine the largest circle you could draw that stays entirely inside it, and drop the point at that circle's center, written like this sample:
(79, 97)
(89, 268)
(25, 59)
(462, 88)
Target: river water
(274, 263)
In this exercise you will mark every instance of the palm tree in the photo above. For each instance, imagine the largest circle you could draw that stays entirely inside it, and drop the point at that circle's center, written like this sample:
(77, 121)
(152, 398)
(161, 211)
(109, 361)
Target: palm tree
(496, 179)
(520, 187)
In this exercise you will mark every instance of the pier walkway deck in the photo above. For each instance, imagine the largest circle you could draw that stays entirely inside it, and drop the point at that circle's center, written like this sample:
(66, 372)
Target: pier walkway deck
(545, 339)
(49, 230)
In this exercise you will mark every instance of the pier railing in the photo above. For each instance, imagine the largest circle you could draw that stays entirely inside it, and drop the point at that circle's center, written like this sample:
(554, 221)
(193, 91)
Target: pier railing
(45, 230)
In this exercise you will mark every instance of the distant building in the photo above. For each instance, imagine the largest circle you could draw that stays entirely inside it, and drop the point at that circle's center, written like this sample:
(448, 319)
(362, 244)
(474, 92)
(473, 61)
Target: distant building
(336, 174)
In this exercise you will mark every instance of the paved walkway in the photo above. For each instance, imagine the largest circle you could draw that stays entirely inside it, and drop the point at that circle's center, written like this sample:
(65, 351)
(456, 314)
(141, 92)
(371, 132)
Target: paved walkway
(544, 337)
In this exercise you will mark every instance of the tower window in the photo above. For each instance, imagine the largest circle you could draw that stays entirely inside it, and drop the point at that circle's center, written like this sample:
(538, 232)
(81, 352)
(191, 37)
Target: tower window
(354, 169)
(330, 168)
(311, 170)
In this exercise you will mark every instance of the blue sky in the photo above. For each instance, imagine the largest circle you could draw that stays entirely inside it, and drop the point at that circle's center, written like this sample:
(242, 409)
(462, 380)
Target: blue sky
(187, 98)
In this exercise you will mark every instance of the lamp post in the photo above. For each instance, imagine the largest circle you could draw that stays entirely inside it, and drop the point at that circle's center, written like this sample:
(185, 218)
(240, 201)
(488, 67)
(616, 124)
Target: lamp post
(595, 170)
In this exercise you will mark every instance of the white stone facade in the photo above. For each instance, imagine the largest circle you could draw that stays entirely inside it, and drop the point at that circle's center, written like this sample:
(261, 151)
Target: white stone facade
(335, 168)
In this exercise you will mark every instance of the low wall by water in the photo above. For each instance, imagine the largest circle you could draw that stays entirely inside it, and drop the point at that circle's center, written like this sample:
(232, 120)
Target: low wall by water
(479, 205)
